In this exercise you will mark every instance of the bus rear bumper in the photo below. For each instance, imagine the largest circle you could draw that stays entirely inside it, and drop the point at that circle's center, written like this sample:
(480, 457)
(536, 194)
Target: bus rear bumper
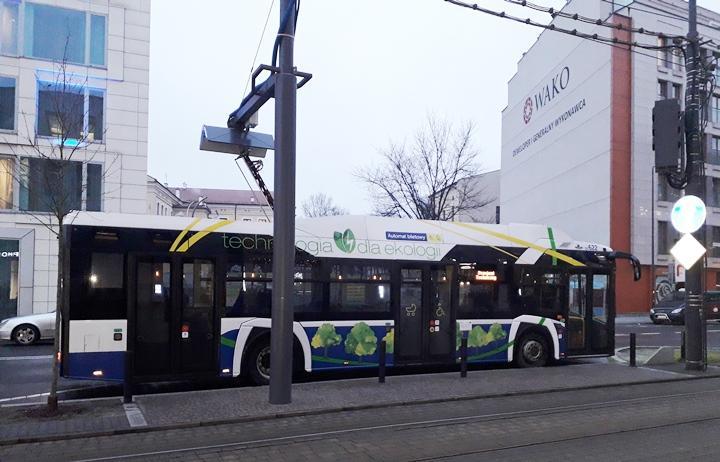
(105, 365)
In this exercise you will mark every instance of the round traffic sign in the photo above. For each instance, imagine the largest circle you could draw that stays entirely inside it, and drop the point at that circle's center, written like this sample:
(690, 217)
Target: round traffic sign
(688, 214)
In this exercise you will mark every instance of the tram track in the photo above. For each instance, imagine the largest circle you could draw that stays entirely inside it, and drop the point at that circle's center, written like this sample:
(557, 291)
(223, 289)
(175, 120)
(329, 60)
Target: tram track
(485, 418)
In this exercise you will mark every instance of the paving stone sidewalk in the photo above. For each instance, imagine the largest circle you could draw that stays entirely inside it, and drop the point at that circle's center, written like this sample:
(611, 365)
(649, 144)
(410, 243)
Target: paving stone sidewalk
(192, 408)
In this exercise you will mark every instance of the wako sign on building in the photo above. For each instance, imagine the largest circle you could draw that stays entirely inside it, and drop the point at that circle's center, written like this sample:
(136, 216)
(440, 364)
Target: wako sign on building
(546, 94)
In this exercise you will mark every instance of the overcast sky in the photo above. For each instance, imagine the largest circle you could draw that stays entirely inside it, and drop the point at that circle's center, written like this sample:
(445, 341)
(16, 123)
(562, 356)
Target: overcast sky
(380, 67)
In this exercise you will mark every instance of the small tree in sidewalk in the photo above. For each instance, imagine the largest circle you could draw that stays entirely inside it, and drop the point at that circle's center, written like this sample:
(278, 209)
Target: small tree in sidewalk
(49, 163)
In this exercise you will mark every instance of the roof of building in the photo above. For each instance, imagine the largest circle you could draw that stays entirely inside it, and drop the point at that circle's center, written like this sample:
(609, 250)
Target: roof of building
(220, 196)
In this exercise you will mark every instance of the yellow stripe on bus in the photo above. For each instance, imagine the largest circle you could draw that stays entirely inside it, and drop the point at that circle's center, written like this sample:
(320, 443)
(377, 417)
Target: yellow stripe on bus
(180, 237)
(474, 239)
(201, 234)
(507, 237)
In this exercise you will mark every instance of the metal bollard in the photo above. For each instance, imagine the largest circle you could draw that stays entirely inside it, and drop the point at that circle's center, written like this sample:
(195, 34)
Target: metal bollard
(382, 356)
(632, 350)
(463, 356)
(682, 345)
(127, 381)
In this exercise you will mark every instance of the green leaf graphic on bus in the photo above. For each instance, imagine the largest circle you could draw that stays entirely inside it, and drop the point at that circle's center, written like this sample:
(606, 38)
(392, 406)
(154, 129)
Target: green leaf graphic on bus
(361, 341)
(390, 342)
(326, 337)
(345, 241)
(479, 338)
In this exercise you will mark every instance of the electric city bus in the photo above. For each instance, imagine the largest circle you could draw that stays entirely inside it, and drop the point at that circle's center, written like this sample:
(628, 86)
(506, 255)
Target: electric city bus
(191, 297)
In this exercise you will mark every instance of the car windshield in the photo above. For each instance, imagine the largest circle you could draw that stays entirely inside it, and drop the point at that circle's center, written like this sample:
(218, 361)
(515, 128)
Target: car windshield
(674, 299)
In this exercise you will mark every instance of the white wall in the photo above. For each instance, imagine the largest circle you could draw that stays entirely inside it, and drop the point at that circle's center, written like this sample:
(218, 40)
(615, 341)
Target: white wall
(562, 179)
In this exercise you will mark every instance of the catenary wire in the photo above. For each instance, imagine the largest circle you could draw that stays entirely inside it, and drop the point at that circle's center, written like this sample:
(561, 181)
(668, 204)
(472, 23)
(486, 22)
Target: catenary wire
(554, 12)
(257, 51)
(573, 32)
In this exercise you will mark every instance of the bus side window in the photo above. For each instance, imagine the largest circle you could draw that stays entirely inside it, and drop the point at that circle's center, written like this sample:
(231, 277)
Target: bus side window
(528, 297)
(478, 293)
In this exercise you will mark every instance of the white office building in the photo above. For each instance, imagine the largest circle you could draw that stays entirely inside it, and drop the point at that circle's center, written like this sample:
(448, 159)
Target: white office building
(105, 47)
(577, 136)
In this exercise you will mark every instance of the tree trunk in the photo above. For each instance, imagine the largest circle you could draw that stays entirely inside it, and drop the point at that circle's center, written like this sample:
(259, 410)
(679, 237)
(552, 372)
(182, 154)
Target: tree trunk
(52, 401)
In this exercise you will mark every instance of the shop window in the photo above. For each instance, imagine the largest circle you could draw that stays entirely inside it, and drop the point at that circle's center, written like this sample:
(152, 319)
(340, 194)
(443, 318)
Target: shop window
(9, 258)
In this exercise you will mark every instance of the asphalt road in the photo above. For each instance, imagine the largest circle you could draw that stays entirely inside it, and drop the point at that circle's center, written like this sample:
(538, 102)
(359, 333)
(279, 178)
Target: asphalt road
(651, 422)
(649, 334)
(26, 371)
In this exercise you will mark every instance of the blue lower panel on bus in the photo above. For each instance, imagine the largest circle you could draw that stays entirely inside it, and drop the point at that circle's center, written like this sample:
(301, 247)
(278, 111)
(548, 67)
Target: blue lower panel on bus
(83, 365)
(227, 351)
(357, 345)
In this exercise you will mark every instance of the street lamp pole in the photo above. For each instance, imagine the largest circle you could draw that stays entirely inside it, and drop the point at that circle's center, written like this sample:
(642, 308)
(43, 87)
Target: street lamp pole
(281, 341)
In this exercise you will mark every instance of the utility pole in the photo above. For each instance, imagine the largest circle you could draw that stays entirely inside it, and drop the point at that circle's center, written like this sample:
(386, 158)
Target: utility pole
(281, 343)
(694, 315)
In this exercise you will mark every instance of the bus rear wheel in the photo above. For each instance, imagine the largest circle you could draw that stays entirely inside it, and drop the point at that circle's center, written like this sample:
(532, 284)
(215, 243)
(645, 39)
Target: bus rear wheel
(532, 351)
(258, 363)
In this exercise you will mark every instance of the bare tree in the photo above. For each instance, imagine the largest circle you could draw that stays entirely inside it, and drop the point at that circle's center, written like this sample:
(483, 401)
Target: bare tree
(430, 179)
(49, 163)
(321, 205)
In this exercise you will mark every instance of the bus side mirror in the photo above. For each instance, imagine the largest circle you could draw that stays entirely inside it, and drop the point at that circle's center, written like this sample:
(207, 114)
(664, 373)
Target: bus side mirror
(637, 271)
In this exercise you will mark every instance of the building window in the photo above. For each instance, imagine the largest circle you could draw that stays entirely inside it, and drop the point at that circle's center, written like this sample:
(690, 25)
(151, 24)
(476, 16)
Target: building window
(715, 193)
(62, 34)
(664, 54)
(93, 191)
(666, 237)
(715, 109)
(50, 185)
(677, 59)
(70, 112)
(714, 243)
(7, 170)
(8, 27)
(713, 156)
(676, 92)
(662, 89)
(7, 103)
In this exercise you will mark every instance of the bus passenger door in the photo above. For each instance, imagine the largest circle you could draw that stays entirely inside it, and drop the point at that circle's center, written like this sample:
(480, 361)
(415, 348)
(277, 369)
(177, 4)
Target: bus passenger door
(425, 315)
(577, 329)
(602, 318)
(590, 320)
(152, 316)
(173, 317)
(197, 333)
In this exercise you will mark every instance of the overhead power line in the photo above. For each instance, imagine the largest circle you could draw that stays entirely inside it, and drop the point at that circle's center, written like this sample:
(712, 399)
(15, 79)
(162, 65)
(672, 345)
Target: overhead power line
(257, 51)
(554, 12)
(572, 32)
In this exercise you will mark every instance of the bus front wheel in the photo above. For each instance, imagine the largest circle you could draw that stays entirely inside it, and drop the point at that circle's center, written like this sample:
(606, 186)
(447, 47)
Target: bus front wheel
(258, 363)
(532, 351)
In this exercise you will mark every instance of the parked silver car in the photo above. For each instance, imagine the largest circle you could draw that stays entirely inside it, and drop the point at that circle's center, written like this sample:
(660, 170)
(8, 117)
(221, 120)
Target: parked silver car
(26, 330)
